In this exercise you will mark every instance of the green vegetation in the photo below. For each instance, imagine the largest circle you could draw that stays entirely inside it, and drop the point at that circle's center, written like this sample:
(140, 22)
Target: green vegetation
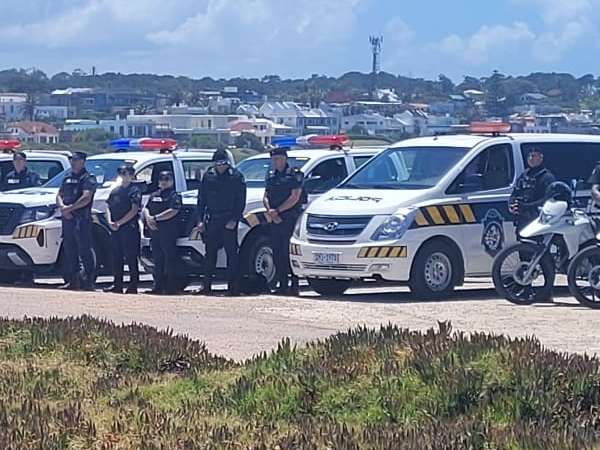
(88, 384)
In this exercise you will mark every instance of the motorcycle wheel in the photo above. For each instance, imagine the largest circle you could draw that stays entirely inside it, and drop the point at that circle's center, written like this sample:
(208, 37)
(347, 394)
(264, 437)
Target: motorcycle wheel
(509, 270)
(584, 277)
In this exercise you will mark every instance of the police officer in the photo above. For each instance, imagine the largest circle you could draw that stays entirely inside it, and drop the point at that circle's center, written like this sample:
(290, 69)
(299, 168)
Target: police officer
(161, 216)
(124, 204)
(283, 199)
(21, 177)
(74, 200)
(221, 203)
(530, 189)
(594, 180)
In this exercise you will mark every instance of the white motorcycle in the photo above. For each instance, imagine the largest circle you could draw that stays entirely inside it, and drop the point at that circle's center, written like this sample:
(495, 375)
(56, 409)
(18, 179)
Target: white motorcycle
(584, 275)
(524, 273)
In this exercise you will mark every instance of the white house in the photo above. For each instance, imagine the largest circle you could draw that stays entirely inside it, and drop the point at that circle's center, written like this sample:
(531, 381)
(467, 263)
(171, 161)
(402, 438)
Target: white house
(35, 132)
(373, 123)
(12, 105)
(264, 129)
(299, 119)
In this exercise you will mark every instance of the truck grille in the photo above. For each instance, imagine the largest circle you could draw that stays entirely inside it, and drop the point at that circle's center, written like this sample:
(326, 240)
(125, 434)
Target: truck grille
(9, 217)
(342, 226)
(336, 267)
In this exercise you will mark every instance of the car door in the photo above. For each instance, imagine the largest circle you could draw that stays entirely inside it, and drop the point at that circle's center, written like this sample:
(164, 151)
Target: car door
(484, 187)
(325, 176)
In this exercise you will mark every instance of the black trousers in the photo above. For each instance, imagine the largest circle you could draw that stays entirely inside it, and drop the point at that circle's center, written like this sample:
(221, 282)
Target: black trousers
(77, 245)
(166, 263)
(126, 249)
(216, 237)
(281, 234)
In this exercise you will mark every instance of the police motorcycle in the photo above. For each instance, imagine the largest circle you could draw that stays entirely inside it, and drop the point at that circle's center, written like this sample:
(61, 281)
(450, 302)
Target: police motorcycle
(524, 273)
(583, 274)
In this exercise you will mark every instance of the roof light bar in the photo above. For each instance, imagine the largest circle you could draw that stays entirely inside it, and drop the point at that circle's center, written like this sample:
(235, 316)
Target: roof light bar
(150, 144)
(10, 145)
(489, 127)
(310, 140)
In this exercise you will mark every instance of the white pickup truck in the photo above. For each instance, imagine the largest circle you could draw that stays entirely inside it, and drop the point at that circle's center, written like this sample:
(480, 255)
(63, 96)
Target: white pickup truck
(30, 226)
(324, 169)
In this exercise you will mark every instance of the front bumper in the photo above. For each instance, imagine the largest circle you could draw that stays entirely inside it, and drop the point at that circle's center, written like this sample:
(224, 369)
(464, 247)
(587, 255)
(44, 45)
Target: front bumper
(390, 261)
(31, 246)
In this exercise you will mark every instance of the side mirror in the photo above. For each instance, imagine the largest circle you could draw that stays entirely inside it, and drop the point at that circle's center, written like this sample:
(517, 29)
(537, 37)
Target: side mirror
(472, 182)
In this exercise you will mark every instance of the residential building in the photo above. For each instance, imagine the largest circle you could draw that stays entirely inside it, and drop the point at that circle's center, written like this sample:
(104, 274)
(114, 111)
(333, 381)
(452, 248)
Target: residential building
(12, 105)
(300, 120)
(35, 132)
(373, 124)
(263, 129)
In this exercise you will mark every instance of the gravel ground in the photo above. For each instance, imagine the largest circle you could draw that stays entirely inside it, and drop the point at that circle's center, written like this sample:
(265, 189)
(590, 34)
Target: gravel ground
(241, 327)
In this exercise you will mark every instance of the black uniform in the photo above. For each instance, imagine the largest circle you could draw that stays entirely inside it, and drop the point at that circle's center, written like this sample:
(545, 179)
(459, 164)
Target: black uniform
(221, 199)
(530, 194)
(20, 180)
(279, 187)
(164, 240)
(126, 240)
(77, 232)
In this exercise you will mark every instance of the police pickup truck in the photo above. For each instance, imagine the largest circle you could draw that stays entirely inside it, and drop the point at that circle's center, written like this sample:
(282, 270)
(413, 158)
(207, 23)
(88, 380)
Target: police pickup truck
(46, 163)
(323, 170)
(428, 211)
(30, 226)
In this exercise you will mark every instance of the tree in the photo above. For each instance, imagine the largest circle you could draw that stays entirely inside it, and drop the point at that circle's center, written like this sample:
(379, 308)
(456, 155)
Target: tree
(446, 84)
(30, 103)
(495, 99)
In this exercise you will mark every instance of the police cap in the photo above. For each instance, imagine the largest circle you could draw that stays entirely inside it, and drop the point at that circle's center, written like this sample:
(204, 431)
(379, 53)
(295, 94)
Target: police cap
(19, 156)
(220, 156)
(79, 156)
(535, 150)
(165, 175)
(280, 151)
(126, 168)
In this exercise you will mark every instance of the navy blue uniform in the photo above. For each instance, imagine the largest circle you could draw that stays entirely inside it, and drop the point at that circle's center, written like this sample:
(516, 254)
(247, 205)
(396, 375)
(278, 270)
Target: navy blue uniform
(20, 180)
(77, 231)
(221, 199)
(530, 194)
(279, 187)
(164, 240)
(126, 240)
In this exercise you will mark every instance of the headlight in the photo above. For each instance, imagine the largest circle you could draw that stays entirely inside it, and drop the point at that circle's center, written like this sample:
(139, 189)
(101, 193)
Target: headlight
(36, 214)
(297, 226)
(394, 227)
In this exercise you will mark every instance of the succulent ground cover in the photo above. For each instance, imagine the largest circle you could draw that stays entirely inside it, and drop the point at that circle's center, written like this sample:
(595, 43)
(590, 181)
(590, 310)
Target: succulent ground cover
(81, 383)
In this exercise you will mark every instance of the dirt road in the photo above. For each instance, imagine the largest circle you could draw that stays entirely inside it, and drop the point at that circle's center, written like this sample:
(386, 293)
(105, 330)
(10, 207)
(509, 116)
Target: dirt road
(240, 327)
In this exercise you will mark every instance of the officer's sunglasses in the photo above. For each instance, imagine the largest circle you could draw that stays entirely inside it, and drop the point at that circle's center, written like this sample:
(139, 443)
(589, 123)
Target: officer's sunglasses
(164, 179)
(222, 163)
(124, 172)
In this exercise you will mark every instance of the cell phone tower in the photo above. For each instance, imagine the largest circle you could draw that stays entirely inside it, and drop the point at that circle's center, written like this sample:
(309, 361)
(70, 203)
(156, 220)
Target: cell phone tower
(376, 42)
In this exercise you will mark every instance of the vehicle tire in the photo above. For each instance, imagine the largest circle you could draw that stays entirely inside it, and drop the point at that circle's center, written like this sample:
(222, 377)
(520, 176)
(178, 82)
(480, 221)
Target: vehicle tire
(434, 272)
(257, 258)
(329, 287)
(9, 277)
(584, 277)
(509, 268)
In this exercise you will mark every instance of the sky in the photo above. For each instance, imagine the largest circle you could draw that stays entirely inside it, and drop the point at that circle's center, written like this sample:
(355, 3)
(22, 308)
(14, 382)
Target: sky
(297, 38)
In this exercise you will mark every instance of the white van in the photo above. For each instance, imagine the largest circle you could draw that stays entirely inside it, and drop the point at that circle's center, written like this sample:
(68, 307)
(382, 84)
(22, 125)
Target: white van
(428, 211)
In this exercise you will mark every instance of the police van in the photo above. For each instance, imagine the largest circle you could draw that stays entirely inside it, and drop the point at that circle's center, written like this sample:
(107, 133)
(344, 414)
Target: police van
(323, 170)
(30, 225)
(427, 212)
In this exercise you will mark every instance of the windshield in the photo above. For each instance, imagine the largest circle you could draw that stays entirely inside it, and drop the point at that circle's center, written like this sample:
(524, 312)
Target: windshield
(406, 168)
(255, 170)
(105, 170)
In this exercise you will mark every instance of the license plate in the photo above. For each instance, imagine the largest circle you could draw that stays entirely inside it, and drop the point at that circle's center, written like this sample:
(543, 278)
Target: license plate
(326, 258)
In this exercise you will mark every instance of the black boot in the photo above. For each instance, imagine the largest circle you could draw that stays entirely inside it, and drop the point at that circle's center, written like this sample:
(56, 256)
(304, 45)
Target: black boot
(132, 288)
(115, 289)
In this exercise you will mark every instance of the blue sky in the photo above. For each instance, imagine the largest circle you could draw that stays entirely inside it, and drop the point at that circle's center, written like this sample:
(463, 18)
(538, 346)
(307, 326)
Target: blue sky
(295, 38)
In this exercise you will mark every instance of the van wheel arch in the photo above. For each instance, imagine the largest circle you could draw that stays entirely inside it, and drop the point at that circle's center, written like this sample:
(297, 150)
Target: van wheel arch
(248, 248)
(458, 278)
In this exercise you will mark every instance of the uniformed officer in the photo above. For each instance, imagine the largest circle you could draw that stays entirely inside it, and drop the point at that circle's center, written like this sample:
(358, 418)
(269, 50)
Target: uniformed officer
(594, 180)
(221, 203)
(124, 204)
(160, 215)
(283, 199)
(530, 190)
(74, 200)
(21, 177)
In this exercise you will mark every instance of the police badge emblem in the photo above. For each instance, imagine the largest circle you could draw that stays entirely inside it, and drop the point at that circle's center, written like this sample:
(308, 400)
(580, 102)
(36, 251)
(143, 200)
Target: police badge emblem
(493, 232)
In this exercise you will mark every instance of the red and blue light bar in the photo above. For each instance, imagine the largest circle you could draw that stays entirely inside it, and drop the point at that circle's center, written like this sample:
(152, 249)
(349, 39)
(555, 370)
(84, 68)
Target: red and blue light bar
(310, 140)
(10, 145)
(141, 144)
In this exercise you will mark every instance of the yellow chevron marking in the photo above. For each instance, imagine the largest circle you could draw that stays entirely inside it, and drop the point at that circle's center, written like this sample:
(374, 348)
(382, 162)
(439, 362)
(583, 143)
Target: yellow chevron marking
(22, 232)
(435, 215)
(252, 220)
(420, 219)
(467, 212)
(30, 231)
(395, 252)
(195, 235)
(363, 252)
(403, 252)
(451, 213)
(372, 252)
(384, 252)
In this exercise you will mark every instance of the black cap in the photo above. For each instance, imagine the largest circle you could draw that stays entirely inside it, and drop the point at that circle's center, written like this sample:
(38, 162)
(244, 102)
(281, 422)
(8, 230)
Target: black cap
(127, 168)
(19, 155)
(165, 174)
(280, 151)
(220, 156)
(535, 150)
(79, 156)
